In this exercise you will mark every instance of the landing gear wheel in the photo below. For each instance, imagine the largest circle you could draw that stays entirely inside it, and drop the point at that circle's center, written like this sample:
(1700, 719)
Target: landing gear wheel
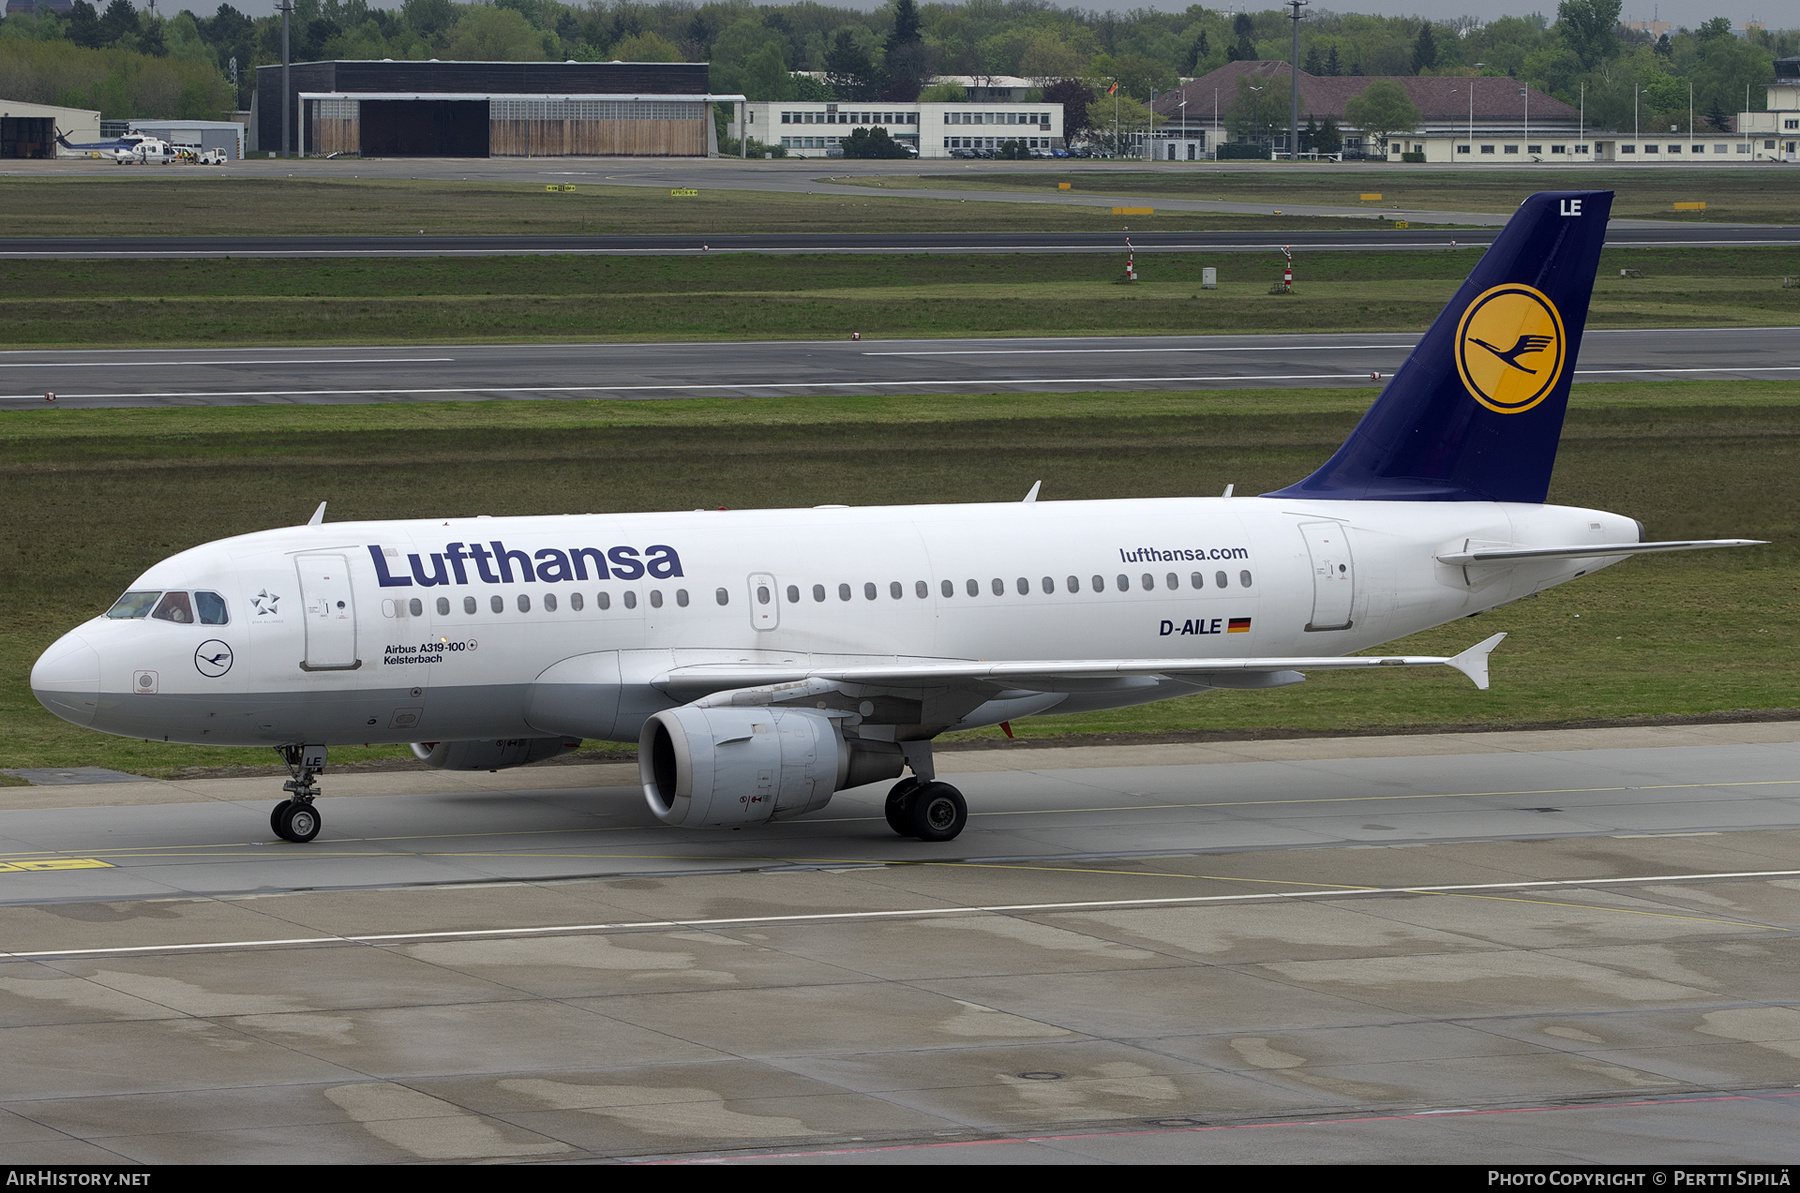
(275, 816)
(936, 812)
(298, 822)
(896, 805)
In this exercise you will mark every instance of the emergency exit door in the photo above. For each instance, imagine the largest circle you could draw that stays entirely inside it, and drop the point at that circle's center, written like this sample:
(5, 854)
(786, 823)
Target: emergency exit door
(765, 601)
(329, 608)
(1334, 575)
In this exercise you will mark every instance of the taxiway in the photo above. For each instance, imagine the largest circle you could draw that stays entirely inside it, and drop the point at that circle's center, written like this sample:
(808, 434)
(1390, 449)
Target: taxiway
(307, 376)
(1510, 948)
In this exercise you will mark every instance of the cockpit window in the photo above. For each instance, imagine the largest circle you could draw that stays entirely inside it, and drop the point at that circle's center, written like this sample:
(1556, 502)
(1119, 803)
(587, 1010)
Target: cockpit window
(134, 604)
(175, 606)
(212, 608)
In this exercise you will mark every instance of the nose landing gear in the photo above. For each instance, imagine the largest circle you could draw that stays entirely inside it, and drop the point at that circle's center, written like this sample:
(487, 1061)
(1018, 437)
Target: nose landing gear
(295, 819)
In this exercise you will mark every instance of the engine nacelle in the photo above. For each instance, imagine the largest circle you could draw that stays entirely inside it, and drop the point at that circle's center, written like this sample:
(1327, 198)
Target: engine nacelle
(717, 767)
(491, 755)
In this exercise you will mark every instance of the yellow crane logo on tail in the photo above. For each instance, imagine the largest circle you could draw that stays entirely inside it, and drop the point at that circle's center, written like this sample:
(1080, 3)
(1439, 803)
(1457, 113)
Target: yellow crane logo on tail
(1510, 348)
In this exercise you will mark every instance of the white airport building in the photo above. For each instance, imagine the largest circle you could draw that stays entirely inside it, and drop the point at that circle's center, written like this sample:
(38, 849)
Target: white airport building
(1484, 121)
(814, 129)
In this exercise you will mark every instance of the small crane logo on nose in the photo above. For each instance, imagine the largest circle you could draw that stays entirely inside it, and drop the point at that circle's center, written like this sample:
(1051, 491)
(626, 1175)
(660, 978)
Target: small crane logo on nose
(213, 658)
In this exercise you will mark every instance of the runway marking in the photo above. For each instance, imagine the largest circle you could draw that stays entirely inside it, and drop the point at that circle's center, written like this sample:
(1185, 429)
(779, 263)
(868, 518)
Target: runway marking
(203, 395)
(170, 364)
(391, 938)
(1099, 351)
(784, 385)
(40, 865)
(1202, 1128)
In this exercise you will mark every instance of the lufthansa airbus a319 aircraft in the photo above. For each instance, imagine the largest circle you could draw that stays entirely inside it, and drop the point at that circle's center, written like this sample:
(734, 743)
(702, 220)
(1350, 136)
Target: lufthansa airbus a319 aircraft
(765, 659)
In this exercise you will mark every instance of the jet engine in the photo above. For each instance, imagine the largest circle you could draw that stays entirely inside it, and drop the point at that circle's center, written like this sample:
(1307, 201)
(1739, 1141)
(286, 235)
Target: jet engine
(491, 755)
(721, 767)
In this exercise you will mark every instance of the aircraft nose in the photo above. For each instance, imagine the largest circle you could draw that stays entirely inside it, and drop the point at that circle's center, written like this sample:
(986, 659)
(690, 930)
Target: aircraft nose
(66, 679)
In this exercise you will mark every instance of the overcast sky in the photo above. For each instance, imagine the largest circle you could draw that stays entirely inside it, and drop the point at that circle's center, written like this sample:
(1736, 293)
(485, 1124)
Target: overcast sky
(1678, 12)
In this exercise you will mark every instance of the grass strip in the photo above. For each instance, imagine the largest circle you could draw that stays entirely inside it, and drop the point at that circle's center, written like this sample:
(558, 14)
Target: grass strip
(1731, 195)
(67, 304)
(177, 202)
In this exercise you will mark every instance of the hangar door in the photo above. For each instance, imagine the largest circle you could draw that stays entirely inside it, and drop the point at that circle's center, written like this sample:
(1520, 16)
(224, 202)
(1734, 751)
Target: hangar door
(26, 136)
(424, 128)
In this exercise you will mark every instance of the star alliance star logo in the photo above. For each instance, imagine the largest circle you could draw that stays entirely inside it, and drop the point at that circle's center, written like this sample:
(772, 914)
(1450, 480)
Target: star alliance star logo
(264, 604)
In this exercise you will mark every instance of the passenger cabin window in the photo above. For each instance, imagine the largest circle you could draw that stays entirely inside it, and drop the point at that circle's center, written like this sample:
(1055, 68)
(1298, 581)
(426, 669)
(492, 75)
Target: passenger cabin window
(604, 600)
(656, 598)
(175, 606)
(1223, 580)
(443, 606)
(134, 604)
(575, 601)
(497, 604)
(211, 607)
(469, 605)
(948, 588)
(724, 598)
(1244, 579)
(630, 599)
(549, 602)
(681, 597)
(921, 589)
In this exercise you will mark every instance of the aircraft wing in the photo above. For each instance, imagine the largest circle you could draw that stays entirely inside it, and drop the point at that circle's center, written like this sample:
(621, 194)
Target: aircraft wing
(736, 683)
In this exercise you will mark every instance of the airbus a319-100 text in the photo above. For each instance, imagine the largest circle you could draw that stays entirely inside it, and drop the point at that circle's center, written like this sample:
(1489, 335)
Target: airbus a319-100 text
(766, 659)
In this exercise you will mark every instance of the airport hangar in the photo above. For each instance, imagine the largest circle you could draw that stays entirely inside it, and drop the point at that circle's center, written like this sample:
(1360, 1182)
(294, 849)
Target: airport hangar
(29, 130)
(487, 109)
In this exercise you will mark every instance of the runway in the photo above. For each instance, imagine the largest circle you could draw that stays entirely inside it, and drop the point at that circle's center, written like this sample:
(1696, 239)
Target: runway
(1620, 234)
(1497, 948)
(324, 376)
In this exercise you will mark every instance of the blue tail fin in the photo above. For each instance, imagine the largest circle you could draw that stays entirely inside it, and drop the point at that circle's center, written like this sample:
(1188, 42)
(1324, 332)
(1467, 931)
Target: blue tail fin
(1476, 411)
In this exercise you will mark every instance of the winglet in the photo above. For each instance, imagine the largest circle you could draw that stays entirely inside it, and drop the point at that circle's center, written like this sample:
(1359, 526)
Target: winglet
(1032, 496)
(318, 517)
(1473, 662)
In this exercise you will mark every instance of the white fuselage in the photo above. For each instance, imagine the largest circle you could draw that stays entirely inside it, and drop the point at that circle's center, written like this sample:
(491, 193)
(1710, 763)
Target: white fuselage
(437, 640)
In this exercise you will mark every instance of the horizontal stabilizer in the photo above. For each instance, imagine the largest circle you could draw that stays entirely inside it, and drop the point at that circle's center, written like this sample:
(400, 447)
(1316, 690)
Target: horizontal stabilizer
(1504, 555)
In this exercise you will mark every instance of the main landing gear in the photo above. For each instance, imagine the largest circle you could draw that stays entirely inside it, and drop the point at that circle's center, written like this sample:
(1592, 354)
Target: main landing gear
(295, 819)
(926, 809)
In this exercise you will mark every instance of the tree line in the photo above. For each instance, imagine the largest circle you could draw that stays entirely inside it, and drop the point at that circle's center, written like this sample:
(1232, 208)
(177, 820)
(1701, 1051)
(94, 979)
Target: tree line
(128, 61)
